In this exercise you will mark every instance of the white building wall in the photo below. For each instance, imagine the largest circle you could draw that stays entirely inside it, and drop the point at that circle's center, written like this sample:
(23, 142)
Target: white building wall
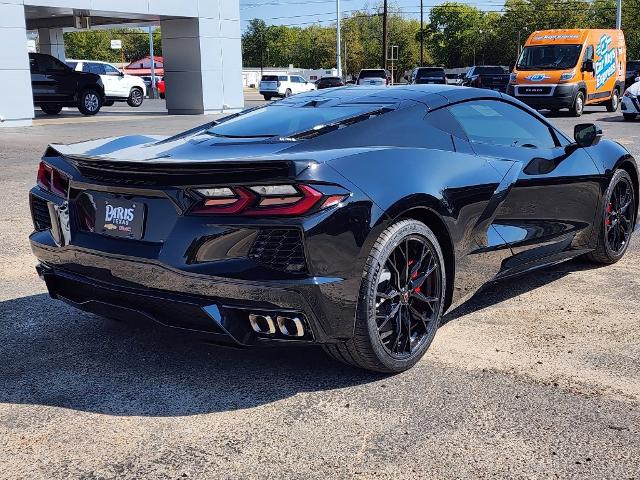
(202, 51)
(16, 108)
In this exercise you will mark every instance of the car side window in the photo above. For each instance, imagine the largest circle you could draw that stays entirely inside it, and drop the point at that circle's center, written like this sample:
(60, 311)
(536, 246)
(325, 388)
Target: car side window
(97, 68)
(111, 70)
(295, 79)
(50, 64)
(494, 122)
(588, 53)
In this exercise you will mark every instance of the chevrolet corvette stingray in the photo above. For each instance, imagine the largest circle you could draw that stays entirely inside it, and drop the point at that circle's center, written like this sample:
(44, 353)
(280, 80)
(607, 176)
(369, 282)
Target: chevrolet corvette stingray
(352, 217)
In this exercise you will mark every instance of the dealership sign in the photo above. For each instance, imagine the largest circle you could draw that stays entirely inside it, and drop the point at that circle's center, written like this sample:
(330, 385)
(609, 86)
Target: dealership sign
(116, 44)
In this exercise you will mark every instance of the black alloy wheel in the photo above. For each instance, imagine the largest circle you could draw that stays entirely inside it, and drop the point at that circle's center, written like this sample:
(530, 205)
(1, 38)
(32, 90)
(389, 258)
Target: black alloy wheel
(401, 301)
(617, 221)
(408, 296)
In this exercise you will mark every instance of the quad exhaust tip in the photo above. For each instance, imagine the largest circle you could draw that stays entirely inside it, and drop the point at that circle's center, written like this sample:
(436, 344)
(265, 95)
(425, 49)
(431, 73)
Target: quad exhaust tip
(262, 324)
(290, 326)
(265, 325)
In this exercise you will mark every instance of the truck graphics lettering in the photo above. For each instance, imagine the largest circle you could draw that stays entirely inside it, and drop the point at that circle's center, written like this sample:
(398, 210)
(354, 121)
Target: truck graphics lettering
(605, 67)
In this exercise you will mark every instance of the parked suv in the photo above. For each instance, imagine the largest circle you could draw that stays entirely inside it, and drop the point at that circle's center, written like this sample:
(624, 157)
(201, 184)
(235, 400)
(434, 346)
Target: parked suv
(423, 75)
(373, 76)
(118, 87)
(55, 85)
(283, 86)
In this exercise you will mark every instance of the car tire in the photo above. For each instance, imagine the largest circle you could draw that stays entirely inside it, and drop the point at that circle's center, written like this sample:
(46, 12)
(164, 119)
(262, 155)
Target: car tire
(51, 109)
(162, 96)
(89, 102)
(267, 97)
(578, 104)
(628, 117)
(614, 102)
(288, 93)
(616, 220)
(136, 97)
(376, 322)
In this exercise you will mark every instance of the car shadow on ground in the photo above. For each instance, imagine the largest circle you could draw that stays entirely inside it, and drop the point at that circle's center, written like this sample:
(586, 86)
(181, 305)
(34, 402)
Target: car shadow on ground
(500, 291)
(54, 355)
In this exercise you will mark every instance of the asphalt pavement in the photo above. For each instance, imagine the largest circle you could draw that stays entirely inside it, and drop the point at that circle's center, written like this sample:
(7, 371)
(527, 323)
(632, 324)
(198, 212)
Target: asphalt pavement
(538, 377)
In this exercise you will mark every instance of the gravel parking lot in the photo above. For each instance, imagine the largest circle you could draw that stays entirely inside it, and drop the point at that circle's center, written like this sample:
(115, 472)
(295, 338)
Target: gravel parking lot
(538, 377)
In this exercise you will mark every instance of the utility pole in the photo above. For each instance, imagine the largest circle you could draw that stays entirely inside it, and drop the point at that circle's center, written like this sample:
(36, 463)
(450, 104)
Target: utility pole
(619, 14)
(152, 93)
(421, 33)
(338, 44)
(384, 35)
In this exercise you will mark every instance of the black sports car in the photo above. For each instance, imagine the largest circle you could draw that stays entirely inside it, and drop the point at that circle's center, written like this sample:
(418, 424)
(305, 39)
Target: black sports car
(352, 217)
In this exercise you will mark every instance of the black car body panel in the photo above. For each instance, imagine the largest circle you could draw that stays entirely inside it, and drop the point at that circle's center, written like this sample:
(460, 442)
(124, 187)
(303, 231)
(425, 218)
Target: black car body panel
(497, 211)
(53, 82)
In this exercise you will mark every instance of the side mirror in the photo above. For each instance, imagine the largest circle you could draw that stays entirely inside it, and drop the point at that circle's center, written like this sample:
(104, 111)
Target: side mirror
(587, 66)
(587, 134)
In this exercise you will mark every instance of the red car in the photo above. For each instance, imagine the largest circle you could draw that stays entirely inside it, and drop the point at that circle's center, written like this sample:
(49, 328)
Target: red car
(161, 87)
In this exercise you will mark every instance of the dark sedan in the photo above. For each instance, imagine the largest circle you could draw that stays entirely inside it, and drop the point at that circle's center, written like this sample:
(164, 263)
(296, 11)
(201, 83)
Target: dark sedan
(329, 82)
(352, 217)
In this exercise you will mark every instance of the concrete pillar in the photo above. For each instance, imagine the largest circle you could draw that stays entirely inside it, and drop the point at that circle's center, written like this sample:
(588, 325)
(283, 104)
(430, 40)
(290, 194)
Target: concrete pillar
(203, 60)
(51, 42)
(16, 100)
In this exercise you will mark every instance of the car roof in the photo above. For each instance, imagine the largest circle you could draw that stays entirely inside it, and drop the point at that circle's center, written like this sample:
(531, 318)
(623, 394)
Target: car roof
(431, 95)
(87, 61)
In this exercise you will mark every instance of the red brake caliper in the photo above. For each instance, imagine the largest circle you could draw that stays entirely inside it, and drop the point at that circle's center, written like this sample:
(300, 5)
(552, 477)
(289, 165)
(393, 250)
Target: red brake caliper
(607, 221)
(414, 275)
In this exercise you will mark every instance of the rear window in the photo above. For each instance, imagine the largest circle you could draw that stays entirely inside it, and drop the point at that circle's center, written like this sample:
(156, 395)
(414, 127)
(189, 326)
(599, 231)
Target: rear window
(286, 120)
(430, 72)
(270, 78)
(373, 74)
(489, 71)
(331, 80)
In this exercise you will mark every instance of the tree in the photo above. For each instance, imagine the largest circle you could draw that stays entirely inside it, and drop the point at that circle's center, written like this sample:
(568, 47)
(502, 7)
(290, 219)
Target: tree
(96, 44)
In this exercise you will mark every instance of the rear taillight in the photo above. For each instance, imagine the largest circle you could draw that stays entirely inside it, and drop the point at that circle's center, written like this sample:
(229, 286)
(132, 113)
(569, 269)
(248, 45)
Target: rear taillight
(265, 200)
(52, 180)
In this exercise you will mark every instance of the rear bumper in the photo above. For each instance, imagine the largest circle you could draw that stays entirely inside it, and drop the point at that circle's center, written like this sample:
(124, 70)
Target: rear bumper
(561, 96)
(215, 309)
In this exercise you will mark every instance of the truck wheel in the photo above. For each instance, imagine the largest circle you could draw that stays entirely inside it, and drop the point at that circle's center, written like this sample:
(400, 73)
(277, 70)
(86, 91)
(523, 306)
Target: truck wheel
(136, 97)
(614, 101)
(288, 92)
(89, 102)
(578, 104)
(51, 109)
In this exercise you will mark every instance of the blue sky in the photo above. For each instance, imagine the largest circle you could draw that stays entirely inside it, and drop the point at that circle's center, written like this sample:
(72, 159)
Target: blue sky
(306, 12)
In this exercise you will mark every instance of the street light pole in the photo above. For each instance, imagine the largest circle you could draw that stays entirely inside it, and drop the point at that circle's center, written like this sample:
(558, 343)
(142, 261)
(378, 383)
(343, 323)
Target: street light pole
(619, 14)
(338, 43)
(384, 35)
(421, 33)
(152, 93)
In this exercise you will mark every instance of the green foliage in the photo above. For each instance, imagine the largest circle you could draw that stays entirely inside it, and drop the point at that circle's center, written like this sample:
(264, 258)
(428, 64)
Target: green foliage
(96, 44)
(453, 33)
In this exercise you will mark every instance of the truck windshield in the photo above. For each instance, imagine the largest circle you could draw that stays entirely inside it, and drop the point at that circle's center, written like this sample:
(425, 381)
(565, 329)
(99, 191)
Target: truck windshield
(549, 57)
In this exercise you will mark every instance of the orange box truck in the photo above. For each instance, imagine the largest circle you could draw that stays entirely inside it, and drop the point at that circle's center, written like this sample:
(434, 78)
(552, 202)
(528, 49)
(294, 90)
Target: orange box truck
(570, 69)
